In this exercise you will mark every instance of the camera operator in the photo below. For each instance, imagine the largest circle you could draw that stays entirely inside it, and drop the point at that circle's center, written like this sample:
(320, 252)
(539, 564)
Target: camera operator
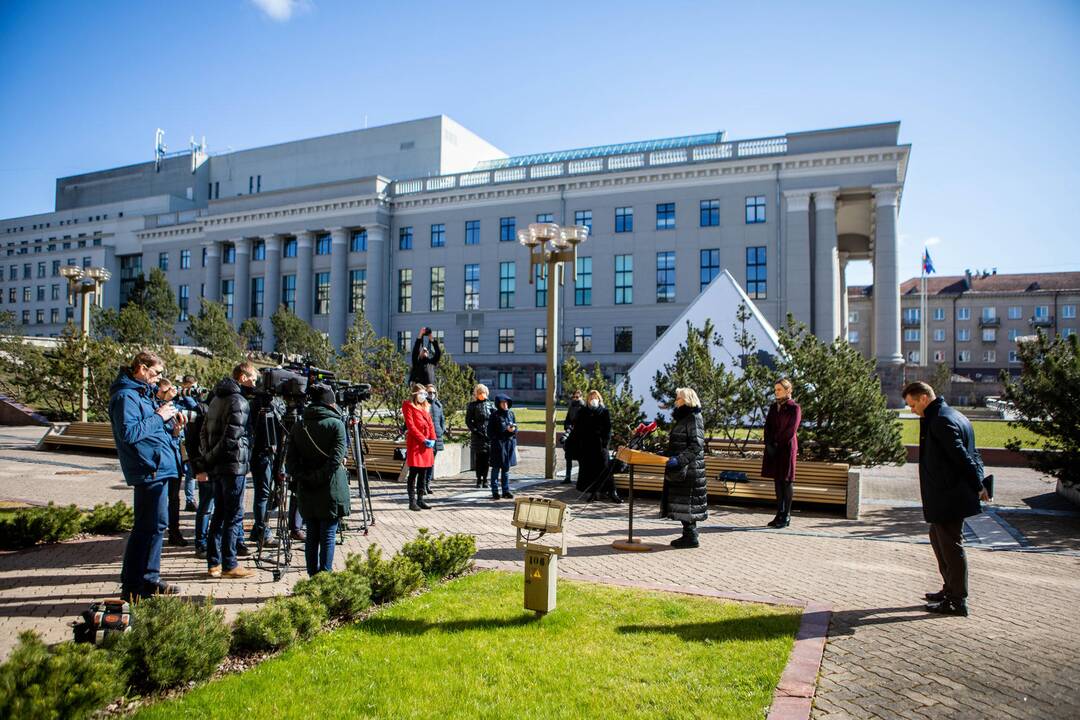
(188, 399)
(316, 460)
(267, 412)
(148, 459)
(226, 453)
(426, 354)
(165, 394)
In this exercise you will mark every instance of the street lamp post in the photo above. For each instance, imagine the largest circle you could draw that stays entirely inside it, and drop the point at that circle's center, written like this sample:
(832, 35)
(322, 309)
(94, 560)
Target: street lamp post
(83, 281)
(550, 246)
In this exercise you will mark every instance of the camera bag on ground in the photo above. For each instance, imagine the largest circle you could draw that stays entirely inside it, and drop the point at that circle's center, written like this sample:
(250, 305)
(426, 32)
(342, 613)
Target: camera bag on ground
(102, 619)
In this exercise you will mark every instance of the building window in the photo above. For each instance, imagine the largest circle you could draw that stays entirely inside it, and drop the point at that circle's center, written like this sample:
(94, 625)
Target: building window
(507, 284)
(710, 266)
(539, 381)
(540, 282)
(963, 334)
(472, 232)
(25, 317)
(204, 251)
(288, 292)
(182, 296)
(322, 244)
(54, 315)
(963, 313)
(357, 290)
(26, 294)
(990, 356)
(911, 316)
(358, 241)
(989, 313)
(322, 293)
(438, 235)
(405, 238)
(404, 341)
(583, 339)
(505, 380)
(939, 356)
(624, 219)
(227, 289)
(55, 269)
(756, 273)
(755, 209)
(853, 336)
(1016, 312)
(27, 271)
(41, 293)
(438, 289)
(506, 340)
(710, 213)
(1013, 334)
(258, 250)
(41, 269)
(1068, 312)
(624, 279)
(665, 216)
(228, 254)
(507, 229)
(255, 308)
(963, 356)
(290, 248)
(939, 313)
(185, 259)
(1014, 356)
(404, 290)
(11, 295)
(86, 261)
(541, 340)
(472, 286)
(665, 277)
(545, 218)
(989, 335)
(911, 335)
(583, 281)
(55, 292)
(472, 341)
(913, 357)
(39, 316)
(624, 339)
(163, 261)
(939, 335)
(1042, 312)
(584, 217)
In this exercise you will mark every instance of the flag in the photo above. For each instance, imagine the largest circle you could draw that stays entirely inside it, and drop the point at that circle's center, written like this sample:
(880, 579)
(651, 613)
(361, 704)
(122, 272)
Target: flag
(927, 263)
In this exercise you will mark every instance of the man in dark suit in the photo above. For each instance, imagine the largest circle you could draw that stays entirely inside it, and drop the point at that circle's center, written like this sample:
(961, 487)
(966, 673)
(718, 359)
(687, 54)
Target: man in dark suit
(950, 481)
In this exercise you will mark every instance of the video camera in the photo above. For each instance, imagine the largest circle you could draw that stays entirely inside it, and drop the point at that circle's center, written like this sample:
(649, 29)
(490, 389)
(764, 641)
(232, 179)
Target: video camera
(347, 394)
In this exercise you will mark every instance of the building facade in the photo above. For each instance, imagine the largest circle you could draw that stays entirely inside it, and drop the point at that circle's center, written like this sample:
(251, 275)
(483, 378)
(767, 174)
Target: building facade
(415, 223)
(973, 323)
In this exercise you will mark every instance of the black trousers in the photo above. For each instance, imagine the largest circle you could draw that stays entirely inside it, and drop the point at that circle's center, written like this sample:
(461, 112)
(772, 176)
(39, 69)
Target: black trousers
(481, 465)
(947, 539)
(785, 490)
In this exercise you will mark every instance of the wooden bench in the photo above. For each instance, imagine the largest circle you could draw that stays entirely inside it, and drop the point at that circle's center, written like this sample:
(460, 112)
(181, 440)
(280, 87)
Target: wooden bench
(815, 482)
(379, 457)
(79, 434)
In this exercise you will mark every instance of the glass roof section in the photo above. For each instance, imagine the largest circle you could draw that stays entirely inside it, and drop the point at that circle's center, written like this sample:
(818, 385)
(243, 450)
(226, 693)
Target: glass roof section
(604, 151)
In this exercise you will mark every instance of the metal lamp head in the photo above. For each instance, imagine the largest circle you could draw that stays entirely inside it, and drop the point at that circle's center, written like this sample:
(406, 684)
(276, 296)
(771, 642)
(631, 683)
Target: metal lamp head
(575, 234)
(99, 274)
(71, 272)
(528, 239)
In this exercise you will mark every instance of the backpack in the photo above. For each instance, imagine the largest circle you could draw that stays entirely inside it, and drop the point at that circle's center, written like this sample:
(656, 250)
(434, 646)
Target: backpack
(102, 619)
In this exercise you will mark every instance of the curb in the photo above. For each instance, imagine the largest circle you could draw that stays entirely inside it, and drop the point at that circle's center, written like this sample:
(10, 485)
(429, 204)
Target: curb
(794, 693)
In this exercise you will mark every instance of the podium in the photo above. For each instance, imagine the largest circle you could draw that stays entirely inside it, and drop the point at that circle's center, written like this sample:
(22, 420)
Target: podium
(636, 458)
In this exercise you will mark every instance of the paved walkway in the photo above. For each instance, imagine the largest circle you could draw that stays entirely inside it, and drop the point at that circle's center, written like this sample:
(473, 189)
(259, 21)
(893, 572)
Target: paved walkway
(885, 657)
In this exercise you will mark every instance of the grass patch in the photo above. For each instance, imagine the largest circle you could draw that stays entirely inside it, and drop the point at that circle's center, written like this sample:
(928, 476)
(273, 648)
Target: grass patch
(988, 433)
(467, 649)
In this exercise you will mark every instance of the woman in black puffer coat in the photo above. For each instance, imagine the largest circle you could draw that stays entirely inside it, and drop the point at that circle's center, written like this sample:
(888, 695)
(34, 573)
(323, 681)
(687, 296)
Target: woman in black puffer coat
(685, 497)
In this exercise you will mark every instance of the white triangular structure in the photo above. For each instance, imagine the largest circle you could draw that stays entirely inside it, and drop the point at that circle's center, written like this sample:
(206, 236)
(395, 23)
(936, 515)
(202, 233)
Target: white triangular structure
(718, 302)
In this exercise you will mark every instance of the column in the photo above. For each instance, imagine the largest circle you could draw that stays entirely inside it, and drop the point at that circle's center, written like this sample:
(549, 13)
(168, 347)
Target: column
(797, 254)
(844, 312)
(339, 285)
(378, 271)
(242, 281)
(212, 271)
(304, 292)
(271, 287)
(826, 266)
(886, 276)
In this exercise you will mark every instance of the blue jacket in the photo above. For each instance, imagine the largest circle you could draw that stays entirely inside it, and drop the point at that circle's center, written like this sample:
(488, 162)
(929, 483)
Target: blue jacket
(144, 445)
(502, 451)
(438, 419)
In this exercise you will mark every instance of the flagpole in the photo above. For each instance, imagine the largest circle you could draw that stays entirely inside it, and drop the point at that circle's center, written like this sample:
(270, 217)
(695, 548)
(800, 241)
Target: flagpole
(923, 359)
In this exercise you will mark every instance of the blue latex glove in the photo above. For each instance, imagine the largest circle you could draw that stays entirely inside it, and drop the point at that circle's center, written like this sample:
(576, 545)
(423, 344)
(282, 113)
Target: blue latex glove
(673, 462)
(429, 443)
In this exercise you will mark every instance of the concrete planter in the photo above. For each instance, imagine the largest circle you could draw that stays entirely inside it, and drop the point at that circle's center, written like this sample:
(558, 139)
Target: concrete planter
(453, 459)
(1072, 494)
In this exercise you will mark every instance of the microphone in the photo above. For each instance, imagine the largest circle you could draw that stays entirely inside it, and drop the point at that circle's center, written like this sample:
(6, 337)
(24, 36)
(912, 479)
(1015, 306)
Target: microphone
(639, 429)
(650, 428)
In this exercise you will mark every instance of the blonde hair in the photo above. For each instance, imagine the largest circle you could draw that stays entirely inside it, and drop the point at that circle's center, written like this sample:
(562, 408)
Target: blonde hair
(597, 394)
(689, 396)
(786, 384)
(418, 388)
(480, 387)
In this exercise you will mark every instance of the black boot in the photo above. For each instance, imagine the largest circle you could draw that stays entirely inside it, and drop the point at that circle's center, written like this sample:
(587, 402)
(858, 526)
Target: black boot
(420, 498)
(689, 537)
(412, 494)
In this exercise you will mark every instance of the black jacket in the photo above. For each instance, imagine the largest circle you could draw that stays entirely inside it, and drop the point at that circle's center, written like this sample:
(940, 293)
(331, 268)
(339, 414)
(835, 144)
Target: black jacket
(589, 441)
(685, 495)
(950, 469)
(423, 369)
(193, 438)
(572, 411)
(477, 415)
(226, 440)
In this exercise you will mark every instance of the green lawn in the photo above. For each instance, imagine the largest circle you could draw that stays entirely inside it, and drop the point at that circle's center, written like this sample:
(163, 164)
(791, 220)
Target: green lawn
(467, 649)
(988, 433)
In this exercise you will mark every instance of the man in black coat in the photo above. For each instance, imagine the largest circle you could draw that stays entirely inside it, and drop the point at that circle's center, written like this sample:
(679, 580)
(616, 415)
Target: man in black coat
(950, 481)
(226, 454)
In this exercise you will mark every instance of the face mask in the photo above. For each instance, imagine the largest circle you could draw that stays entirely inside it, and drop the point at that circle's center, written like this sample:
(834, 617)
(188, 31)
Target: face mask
(594, 403)
(421, 397)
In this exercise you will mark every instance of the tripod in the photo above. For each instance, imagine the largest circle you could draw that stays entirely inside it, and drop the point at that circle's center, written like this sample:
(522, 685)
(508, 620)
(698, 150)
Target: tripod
(283, 500)
(353, 423)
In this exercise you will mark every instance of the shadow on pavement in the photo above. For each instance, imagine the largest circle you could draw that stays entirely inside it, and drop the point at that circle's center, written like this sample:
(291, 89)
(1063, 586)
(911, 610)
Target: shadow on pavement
(845, 622)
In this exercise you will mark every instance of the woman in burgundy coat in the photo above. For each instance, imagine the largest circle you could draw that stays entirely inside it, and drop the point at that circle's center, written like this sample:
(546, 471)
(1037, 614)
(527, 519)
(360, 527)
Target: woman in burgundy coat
(781, 447)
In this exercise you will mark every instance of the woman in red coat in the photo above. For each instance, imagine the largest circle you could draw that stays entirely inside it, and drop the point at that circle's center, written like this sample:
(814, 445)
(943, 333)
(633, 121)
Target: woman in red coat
(419, 444)
(781, 448)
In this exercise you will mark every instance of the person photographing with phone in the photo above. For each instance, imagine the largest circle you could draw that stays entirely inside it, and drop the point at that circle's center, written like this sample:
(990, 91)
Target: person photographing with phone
(426, 354)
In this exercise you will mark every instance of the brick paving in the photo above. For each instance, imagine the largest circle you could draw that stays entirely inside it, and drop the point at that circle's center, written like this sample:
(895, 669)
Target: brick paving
(1015, 657)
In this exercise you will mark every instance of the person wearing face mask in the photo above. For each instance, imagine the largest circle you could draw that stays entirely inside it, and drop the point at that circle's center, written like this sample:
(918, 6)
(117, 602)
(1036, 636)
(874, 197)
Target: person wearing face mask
(438, 419)
(419, 444)
(165, 394)
(781, 449)
(572, 411)
(502, 432)
(592, 434)
(477, 415)
(685, 495)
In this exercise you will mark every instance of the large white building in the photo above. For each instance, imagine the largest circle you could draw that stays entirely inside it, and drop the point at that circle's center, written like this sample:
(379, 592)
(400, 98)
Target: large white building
(416, 223)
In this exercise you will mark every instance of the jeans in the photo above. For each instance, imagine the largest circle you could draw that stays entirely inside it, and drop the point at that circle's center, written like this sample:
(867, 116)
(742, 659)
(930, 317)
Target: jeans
(142, 557)
(189, 484)
(495, 472)
(319, 546)
(202, 514)
(226, 524)
(262, 468)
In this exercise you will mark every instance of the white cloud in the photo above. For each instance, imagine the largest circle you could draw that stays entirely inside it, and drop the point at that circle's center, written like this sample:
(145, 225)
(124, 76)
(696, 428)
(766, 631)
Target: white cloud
(282, 10)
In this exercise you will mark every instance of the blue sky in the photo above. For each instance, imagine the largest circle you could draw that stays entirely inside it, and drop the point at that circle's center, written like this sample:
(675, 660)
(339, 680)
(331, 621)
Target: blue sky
(987, 93)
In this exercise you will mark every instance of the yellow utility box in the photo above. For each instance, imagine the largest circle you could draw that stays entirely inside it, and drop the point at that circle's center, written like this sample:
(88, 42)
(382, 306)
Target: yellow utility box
(534, 518)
